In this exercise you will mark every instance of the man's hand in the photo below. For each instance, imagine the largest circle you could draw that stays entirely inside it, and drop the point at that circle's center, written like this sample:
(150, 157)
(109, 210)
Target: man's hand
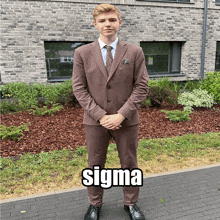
(112, 122)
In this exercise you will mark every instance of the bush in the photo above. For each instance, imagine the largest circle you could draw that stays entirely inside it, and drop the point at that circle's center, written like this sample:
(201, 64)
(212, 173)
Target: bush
(212, 84)
(13, 132)
(177, 115)
(45, 110)
(196, 98)
(58, 93)
(7, 107)
(50, 93)
(165, 82)
(26, 95)
(191, 85)
(159, 94)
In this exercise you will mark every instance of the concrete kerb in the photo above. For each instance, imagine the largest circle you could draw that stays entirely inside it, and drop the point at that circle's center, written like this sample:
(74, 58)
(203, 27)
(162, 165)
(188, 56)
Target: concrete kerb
(82, 187)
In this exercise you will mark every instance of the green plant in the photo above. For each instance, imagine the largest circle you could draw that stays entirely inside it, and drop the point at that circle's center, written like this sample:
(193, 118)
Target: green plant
(196, 98)
(162, 81)
(58, 93)
(81, 151)
(67, 92)
(159, 94)
(45, 110)
(50, 93)
(7, 107)
(146, 102)
(191, 85)
(13, 132)
(176, 87)
(26, 95)
(212, 84)
(177, 115)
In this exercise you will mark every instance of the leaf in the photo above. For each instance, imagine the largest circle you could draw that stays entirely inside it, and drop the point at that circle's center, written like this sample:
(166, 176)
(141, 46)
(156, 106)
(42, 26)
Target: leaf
(162, 200)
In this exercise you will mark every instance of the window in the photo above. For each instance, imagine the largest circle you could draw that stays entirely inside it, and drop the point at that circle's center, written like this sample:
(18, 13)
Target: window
(167, 0)
(217, 2)
(59, 59)
(217, 60)
(162, 58)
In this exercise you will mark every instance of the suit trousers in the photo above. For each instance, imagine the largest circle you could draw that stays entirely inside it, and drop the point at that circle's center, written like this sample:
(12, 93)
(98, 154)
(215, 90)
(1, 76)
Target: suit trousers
(97, 141)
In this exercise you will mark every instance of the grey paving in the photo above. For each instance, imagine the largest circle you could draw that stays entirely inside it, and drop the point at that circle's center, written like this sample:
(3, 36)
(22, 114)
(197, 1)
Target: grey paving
(185, 195)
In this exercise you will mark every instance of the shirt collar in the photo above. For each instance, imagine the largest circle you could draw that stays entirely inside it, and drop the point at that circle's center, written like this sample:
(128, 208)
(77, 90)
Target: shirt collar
(113, 44)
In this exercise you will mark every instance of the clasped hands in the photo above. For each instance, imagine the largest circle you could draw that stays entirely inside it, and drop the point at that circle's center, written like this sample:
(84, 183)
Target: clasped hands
(112, 122)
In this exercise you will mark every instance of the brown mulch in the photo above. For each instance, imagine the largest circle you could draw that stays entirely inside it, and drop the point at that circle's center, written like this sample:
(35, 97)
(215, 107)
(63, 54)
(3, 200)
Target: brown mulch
(65, 129)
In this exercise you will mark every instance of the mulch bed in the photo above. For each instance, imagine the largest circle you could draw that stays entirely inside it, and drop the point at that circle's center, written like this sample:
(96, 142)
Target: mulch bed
(65, 129)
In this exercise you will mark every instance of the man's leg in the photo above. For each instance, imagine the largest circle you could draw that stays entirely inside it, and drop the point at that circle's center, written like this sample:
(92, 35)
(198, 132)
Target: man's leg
(127, 142)
(97, 141)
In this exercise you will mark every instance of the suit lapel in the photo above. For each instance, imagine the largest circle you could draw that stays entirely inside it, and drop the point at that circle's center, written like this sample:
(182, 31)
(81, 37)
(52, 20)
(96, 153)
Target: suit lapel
(119, 53)
(96, 53)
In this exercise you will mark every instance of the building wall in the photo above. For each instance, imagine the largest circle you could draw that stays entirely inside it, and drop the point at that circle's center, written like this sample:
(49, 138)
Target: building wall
(25, 25)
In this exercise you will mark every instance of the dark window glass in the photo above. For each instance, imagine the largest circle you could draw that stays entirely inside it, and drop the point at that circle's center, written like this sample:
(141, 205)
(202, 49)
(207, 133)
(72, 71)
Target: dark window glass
(59, 59)
(166, 0)
(217, 60)
(162, 57)
(217, 2)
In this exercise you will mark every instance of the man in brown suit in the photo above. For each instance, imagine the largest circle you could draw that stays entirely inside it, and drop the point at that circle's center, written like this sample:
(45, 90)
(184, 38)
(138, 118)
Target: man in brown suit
(110, 85)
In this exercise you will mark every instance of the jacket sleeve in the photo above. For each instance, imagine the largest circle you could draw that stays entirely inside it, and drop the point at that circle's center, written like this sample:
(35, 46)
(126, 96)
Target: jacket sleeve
(80, 91)
(140, 87)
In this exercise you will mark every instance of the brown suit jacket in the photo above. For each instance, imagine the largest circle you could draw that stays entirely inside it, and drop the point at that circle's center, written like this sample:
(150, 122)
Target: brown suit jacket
(122, 91)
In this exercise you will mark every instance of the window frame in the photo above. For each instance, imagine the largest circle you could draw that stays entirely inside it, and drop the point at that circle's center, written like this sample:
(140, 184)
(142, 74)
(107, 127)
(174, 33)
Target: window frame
(168, 1)
(217, 2)
(217, 51)
(60, 78)
(170, 73)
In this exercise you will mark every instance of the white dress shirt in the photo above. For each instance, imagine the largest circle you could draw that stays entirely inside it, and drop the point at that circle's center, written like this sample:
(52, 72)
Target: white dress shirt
(104, 51)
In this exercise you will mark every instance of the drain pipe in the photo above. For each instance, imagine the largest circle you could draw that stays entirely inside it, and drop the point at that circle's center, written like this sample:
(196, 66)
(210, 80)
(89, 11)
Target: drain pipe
(204, 37)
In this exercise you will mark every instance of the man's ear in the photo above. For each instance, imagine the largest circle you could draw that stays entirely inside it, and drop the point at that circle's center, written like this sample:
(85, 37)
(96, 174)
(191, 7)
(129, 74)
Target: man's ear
(94, 23)
(120, 22)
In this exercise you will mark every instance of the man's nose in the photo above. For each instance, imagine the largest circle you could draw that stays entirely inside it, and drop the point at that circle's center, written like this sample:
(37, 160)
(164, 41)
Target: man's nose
(107, 23)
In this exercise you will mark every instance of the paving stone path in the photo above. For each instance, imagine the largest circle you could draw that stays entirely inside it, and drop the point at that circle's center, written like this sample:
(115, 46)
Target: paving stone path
(192, 194)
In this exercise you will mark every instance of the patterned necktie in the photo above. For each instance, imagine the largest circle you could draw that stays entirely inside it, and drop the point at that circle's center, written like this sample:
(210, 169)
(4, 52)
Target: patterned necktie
(109, 58)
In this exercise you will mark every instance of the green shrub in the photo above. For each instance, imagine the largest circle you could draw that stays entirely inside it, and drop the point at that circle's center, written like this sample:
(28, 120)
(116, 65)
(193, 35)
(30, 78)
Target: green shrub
(58, 93)
(146, 102)
(13, 132)
(177, 115)
(191, 85)
(7, 107)
(26, 95)
(50, 93)
(165, 82)
(45, 110)
(196, 98)
(159, 94)
(212, 84)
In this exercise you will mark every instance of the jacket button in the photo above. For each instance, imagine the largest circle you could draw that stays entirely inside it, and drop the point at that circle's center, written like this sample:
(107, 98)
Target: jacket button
(108, 100)
(108, 87)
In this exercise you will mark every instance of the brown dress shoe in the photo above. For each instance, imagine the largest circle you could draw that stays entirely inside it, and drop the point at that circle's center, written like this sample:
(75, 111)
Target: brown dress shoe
(134, 212)
(92, 213)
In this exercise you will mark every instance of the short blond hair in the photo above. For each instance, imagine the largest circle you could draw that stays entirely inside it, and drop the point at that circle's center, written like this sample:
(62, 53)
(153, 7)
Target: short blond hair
(102, 8)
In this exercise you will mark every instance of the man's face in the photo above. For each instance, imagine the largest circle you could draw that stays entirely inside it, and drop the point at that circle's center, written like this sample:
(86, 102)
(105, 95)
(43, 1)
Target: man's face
(107, 24)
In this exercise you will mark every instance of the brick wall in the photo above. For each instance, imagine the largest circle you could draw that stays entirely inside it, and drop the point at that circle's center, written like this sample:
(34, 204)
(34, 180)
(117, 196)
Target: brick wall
(25, 25)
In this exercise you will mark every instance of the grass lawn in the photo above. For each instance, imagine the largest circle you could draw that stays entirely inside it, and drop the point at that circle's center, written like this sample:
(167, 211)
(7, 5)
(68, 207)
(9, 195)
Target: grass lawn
(31, 174)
